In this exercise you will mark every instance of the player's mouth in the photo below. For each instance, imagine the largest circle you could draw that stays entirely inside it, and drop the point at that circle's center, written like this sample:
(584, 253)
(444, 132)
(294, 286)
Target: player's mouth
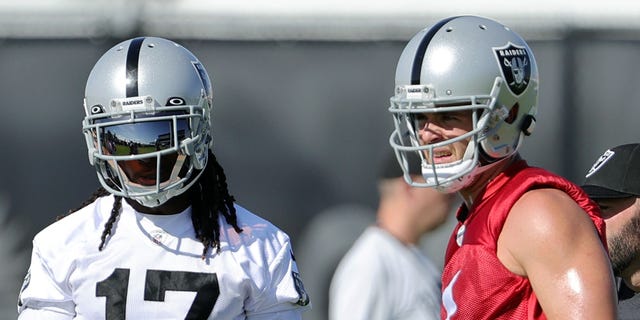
(442, 156)
(145, 180)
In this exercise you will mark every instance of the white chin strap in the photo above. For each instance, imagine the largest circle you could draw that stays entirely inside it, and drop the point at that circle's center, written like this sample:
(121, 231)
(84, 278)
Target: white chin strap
(155, 195)
(453, 176)
(450, 177)
(446, 176)
(156, 199)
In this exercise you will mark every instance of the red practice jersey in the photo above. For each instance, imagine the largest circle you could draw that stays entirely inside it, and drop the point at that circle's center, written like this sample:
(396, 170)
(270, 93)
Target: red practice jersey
(475, 284)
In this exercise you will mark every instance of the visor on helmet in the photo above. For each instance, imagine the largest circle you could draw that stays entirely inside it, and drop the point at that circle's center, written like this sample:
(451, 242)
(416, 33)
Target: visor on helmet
(140, 133)
(142, 137)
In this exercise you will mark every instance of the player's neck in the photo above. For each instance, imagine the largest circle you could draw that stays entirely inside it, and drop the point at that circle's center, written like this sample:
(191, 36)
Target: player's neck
(174, 205)
(474, 191)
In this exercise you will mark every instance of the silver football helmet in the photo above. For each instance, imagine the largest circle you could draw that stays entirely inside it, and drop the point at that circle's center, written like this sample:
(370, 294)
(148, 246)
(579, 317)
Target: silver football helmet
(147, 104)
(464, 63)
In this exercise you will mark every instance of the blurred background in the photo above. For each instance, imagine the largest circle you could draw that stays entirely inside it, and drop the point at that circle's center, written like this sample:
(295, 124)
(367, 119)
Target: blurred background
(301, 93)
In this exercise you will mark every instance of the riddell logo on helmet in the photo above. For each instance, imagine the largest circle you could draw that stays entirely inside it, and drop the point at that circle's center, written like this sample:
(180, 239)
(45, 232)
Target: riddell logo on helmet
(515, 66)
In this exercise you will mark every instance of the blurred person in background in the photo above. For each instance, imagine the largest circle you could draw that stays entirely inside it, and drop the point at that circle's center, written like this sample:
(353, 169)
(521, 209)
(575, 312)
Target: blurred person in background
(324, 241)
(385, 274)
(614, 183)
(162, 238)
(529, 244)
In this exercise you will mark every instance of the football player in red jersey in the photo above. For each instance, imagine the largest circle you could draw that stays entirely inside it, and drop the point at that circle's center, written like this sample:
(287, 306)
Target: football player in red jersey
(529, 244)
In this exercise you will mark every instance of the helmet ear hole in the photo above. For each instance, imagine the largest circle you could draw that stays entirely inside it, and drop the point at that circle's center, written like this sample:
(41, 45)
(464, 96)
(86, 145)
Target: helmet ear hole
(528, 124)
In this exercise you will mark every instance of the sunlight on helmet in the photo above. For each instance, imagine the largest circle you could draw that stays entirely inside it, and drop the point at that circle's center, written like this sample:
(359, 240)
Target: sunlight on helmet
(442, 59)
(120, 79)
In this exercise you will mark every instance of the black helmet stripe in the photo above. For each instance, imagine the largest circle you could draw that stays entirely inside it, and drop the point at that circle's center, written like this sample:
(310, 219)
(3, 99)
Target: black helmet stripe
(422, 48)
(133, 56)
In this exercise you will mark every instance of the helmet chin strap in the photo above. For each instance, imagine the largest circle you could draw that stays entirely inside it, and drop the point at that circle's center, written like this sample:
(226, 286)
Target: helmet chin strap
(448, 179)
(453, 176)
(158, 199)
(158, 194)
(162, 190)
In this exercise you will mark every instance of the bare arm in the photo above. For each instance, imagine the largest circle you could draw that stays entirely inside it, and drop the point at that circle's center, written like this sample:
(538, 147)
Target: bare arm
(548, 238)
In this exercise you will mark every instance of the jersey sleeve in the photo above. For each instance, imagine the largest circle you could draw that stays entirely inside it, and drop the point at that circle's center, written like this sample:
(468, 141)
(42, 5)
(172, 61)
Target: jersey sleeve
(280, 292)
(40, 314)
(42, 296)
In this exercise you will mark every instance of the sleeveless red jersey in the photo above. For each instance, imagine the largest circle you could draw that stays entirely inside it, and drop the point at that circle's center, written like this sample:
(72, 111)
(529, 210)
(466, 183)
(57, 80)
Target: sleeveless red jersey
(475, 284)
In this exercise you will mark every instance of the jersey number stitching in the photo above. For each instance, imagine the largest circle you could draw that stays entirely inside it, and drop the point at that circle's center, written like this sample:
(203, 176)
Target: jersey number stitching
(157, 282)
(448, 300)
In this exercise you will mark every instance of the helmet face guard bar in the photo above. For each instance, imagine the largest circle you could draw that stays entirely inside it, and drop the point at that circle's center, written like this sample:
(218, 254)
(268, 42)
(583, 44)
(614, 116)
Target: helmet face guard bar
(434, 174)
(139, 135)
(415, 100)
(116, 181)
(162, 137)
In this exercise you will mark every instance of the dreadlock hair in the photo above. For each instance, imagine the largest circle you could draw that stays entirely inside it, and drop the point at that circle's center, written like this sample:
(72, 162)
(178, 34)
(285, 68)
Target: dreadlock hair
(209, 197)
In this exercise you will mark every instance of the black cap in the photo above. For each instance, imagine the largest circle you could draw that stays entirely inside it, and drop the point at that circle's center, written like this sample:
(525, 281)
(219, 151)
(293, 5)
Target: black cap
(391, 167)
(616, 174)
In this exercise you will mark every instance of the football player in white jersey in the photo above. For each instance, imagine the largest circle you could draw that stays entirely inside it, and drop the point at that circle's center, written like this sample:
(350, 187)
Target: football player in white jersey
(162, 238)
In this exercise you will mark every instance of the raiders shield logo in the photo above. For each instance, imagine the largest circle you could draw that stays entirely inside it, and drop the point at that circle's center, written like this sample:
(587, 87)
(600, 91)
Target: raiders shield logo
(515, 65)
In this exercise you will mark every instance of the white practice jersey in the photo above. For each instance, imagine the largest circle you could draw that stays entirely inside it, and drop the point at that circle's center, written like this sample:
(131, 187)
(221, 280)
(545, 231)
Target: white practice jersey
(380, 278)
(151, 268)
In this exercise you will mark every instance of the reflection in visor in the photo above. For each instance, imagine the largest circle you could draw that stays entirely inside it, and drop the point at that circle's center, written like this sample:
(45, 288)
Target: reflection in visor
(142, 137)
